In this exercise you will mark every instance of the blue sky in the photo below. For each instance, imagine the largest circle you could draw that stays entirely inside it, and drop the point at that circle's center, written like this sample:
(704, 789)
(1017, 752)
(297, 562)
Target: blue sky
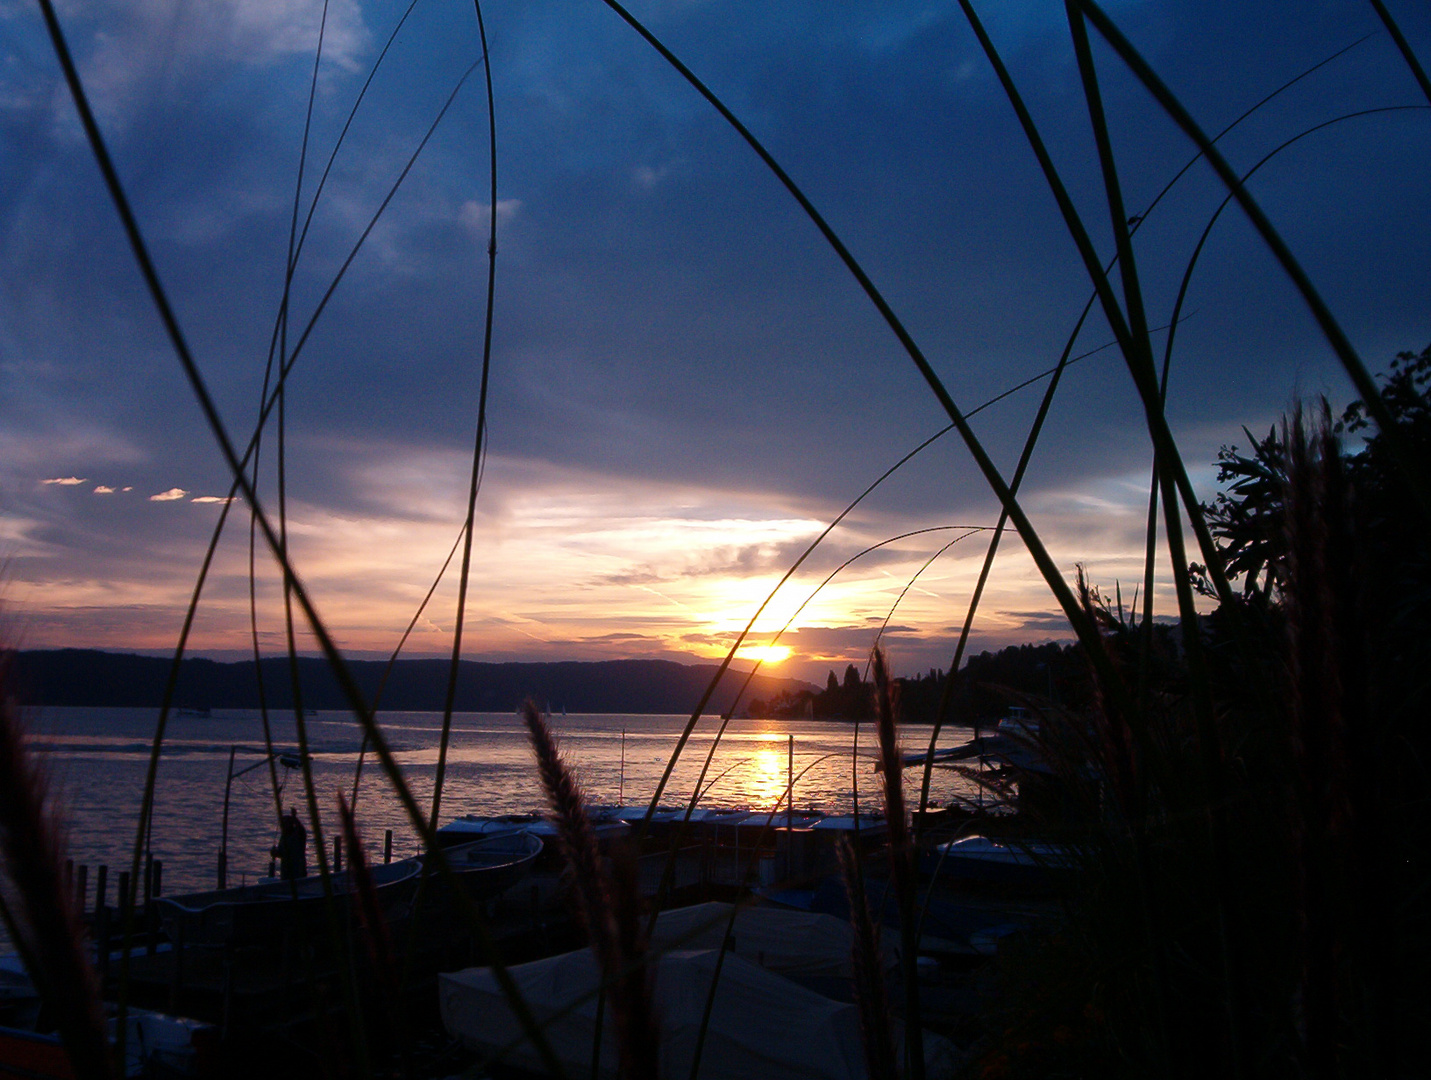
(686, 385)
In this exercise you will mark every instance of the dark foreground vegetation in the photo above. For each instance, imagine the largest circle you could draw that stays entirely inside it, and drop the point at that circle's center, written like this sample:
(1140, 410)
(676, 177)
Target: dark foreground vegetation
(1255, 820)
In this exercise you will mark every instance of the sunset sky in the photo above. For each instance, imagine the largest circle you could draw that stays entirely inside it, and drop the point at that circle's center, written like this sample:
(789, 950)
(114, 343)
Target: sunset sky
(686, 386)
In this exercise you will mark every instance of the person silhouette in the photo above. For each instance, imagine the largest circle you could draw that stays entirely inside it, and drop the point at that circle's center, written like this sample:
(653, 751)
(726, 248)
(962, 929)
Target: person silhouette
(292, 847)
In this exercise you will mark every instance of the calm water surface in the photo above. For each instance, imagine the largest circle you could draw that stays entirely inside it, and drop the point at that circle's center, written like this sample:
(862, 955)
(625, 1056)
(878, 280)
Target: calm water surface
(98, 759)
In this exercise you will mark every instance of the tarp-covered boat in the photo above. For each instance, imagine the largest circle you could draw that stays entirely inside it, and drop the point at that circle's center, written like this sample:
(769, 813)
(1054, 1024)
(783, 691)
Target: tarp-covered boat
(796, 944)
(762, 1024)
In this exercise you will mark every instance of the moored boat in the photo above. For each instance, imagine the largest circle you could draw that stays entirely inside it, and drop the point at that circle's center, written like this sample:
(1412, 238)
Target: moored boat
(982, 858)
(493, 864)
(155, 1044)
(262, 913)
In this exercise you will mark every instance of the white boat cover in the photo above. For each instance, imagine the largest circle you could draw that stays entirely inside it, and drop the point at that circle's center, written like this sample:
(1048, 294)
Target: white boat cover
(762, 1026)
(800, 944)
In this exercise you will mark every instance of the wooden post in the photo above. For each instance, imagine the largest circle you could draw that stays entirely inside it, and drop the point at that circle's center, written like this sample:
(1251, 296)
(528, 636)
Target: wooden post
(101, 941)
(224, 835)
(81, 888)
(122, 906)
(227, 992)
(387, 846)
(337, 854)
(790, 807)
(177, 985)
(101, 922)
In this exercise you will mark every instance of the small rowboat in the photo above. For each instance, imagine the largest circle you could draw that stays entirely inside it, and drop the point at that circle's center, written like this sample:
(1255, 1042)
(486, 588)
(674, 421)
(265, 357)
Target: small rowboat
(493, 864)
(262, 913)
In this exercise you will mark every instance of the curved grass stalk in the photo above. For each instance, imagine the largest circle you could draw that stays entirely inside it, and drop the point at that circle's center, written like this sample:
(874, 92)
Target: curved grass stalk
(909, 585)
(397, 650)
(478, 441)
(697, 790)
(1134, 223)
(281, 322)
(1138, 364)
(1351, 362)
(946, 695)
(1053, 577)
(750, 675)
(1064, 362)
(1053, 371)
(342, 675)
(1403, 47)
(1140, 361)
(239, 484)
(142, 840)
(1186, 281)
(250, 454)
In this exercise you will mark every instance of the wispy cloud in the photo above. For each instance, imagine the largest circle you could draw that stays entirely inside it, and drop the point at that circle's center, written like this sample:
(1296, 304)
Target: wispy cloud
(65, 481)
(477, 216)
(103, 489)
(171, 495)
(211, 498)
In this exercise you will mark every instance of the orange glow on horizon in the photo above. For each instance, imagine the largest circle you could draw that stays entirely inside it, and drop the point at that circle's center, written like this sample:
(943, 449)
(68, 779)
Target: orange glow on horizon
(766, 654)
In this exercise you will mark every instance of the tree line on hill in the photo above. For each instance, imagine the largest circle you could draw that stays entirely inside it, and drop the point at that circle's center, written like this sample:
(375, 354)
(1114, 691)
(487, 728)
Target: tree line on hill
(988, 684)
(87, 677)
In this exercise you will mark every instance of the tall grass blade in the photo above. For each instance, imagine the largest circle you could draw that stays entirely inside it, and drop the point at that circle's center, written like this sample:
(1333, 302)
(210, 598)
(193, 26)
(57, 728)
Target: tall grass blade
(901, 860)
(42, 919)
(608, 910)
(347, 685)
(870, 994)
(479, 441)
(1143, 378)
(1351, 362)
(1053, 577)
(1403, 47)
(1134, 222)
(397, 651)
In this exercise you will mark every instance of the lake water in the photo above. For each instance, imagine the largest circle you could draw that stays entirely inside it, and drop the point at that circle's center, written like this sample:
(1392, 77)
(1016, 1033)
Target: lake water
(98, 758)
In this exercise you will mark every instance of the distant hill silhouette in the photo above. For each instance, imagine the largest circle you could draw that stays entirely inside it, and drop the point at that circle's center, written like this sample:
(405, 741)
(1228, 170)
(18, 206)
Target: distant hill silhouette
(89, 677)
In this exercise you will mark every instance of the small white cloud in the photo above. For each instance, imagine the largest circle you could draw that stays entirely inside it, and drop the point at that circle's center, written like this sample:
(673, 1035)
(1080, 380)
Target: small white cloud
(65, 481)
(103, 489)
(211, 499)
(168, 496)
(648, 177)
(476, 215)
(126, 489)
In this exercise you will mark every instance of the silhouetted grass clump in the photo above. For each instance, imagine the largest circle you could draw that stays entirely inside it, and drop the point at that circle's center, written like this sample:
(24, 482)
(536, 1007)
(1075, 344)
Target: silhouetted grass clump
(1252, 892)
(38, 909)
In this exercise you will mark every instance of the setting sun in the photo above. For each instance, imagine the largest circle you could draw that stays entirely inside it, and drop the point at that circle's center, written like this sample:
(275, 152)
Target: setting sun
(766, 654)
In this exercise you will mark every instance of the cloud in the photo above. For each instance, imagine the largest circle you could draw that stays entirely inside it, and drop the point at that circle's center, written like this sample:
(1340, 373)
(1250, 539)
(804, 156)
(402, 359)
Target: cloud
(151, 40)
(210, 498)
(1042, 622)
(169, 496)
(476, 215)
(648, 177)
(65, 481)
(104, 489)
